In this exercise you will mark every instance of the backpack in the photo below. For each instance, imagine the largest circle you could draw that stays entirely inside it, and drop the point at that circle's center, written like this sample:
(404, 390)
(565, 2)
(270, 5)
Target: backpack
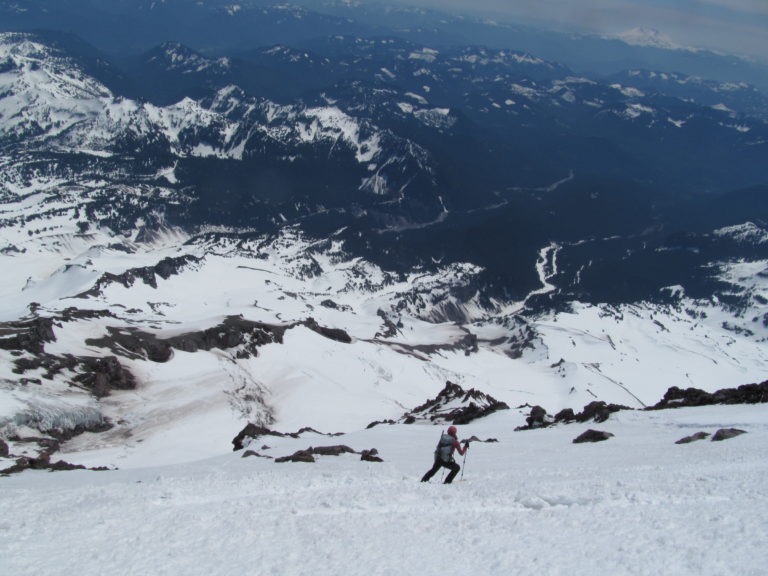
(444, 450)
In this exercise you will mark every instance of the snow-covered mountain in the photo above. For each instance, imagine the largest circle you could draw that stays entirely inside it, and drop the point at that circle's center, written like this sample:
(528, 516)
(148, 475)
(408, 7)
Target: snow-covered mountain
(323, 253)
(144, 293)
(648, 37)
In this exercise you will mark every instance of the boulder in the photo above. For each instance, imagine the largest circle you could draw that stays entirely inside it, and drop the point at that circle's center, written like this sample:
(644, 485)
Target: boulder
(370, 455)
(727, 434)
(693, 438)
(565, 415)
(249, 453)
(592, 436)
(298, 456)
(598, 411)
(332, 450)
(537, 418)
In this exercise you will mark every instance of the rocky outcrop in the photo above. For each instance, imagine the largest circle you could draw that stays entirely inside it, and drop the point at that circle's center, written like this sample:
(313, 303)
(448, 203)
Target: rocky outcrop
(164, 269)
(597, 411)
(454, 405)
(27, 335)
(719, 436)
(745, 394)
(370, 455)
(232, 332)
(309, 454)
(100, 375)
(693, 438)
(44, 448)
(727, 434)
(298, 456)
(253, 431)
(336, 334)
(592, 436)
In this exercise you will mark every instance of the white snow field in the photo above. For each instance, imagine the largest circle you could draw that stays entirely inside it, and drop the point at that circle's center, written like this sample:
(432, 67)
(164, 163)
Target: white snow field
(177, 501)
(636, 504)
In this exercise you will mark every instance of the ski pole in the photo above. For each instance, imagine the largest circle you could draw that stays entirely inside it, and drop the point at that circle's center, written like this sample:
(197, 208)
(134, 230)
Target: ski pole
(464, 462)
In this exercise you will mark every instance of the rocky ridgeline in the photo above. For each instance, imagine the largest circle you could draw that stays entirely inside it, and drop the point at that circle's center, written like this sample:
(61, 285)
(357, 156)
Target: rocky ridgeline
(233, 332)
(453, 405)
(745, 394)
(597, 411)
(252, 432)
(166, 268)
(18, 449)
(674, 398)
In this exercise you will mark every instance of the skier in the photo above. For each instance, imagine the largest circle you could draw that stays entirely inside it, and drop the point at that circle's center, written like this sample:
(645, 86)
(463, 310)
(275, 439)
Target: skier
(444, 455)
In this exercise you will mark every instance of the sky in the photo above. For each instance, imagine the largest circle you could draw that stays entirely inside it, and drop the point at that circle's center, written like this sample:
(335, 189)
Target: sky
(732, 26)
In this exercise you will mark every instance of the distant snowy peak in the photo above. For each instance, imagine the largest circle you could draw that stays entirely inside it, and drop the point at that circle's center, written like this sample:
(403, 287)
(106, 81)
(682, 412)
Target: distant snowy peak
(41, 89)
(648, 37)
(747, 233)
(48, 97)
(180, 58)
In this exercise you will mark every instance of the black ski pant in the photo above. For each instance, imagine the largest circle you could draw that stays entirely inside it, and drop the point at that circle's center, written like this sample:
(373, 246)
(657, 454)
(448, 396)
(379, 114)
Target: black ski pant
(452, 466)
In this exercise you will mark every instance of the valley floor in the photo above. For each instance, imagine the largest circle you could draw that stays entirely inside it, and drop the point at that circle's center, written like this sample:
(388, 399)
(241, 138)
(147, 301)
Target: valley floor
(637, 504)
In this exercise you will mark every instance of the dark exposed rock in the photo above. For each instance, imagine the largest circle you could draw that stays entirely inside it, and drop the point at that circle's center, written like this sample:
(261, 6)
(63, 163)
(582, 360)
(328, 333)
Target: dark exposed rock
(249, 453)
(133, 344)
(60, 435)
(233, 332)
(298, 456)
(27, 335)
(476, 439)
(98, 374)
(693, 438)
(43, 463)
(476, 404)
(370, 455)
(336, 334)
(71, 314)
(377, 422)
(62, 465)
(253, 431)
(745, 394)
(592, 436)
(165, 269)
(726, 434)
(537, 418)
(101, 375)
(390, 328)
(599, 411)
(332, 450)
(3, 449)
(565, 415)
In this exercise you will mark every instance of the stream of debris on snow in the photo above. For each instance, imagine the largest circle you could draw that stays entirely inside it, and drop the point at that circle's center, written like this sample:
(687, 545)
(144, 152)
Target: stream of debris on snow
(533, 502)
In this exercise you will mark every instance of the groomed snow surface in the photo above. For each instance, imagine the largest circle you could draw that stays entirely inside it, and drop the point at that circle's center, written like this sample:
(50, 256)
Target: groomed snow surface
(532, 503)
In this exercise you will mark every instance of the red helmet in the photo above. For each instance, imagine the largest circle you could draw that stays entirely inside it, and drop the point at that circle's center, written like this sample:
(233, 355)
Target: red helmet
(452, 431)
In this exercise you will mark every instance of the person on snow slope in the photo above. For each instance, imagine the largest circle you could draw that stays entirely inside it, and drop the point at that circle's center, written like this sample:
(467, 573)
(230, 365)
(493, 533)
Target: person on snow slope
(444, 455)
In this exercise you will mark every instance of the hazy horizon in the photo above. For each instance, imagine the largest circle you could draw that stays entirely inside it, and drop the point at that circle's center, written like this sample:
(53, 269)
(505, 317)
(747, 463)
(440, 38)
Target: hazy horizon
(732, 26)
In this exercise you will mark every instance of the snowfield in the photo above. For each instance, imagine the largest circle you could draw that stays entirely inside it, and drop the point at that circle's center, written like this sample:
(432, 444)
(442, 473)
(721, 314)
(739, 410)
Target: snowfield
(637, 504)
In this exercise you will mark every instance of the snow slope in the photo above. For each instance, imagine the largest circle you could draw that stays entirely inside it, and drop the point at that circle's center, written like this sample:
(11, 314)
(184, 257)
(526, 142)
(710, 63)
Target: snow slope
(636, 504)
(629, 355)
